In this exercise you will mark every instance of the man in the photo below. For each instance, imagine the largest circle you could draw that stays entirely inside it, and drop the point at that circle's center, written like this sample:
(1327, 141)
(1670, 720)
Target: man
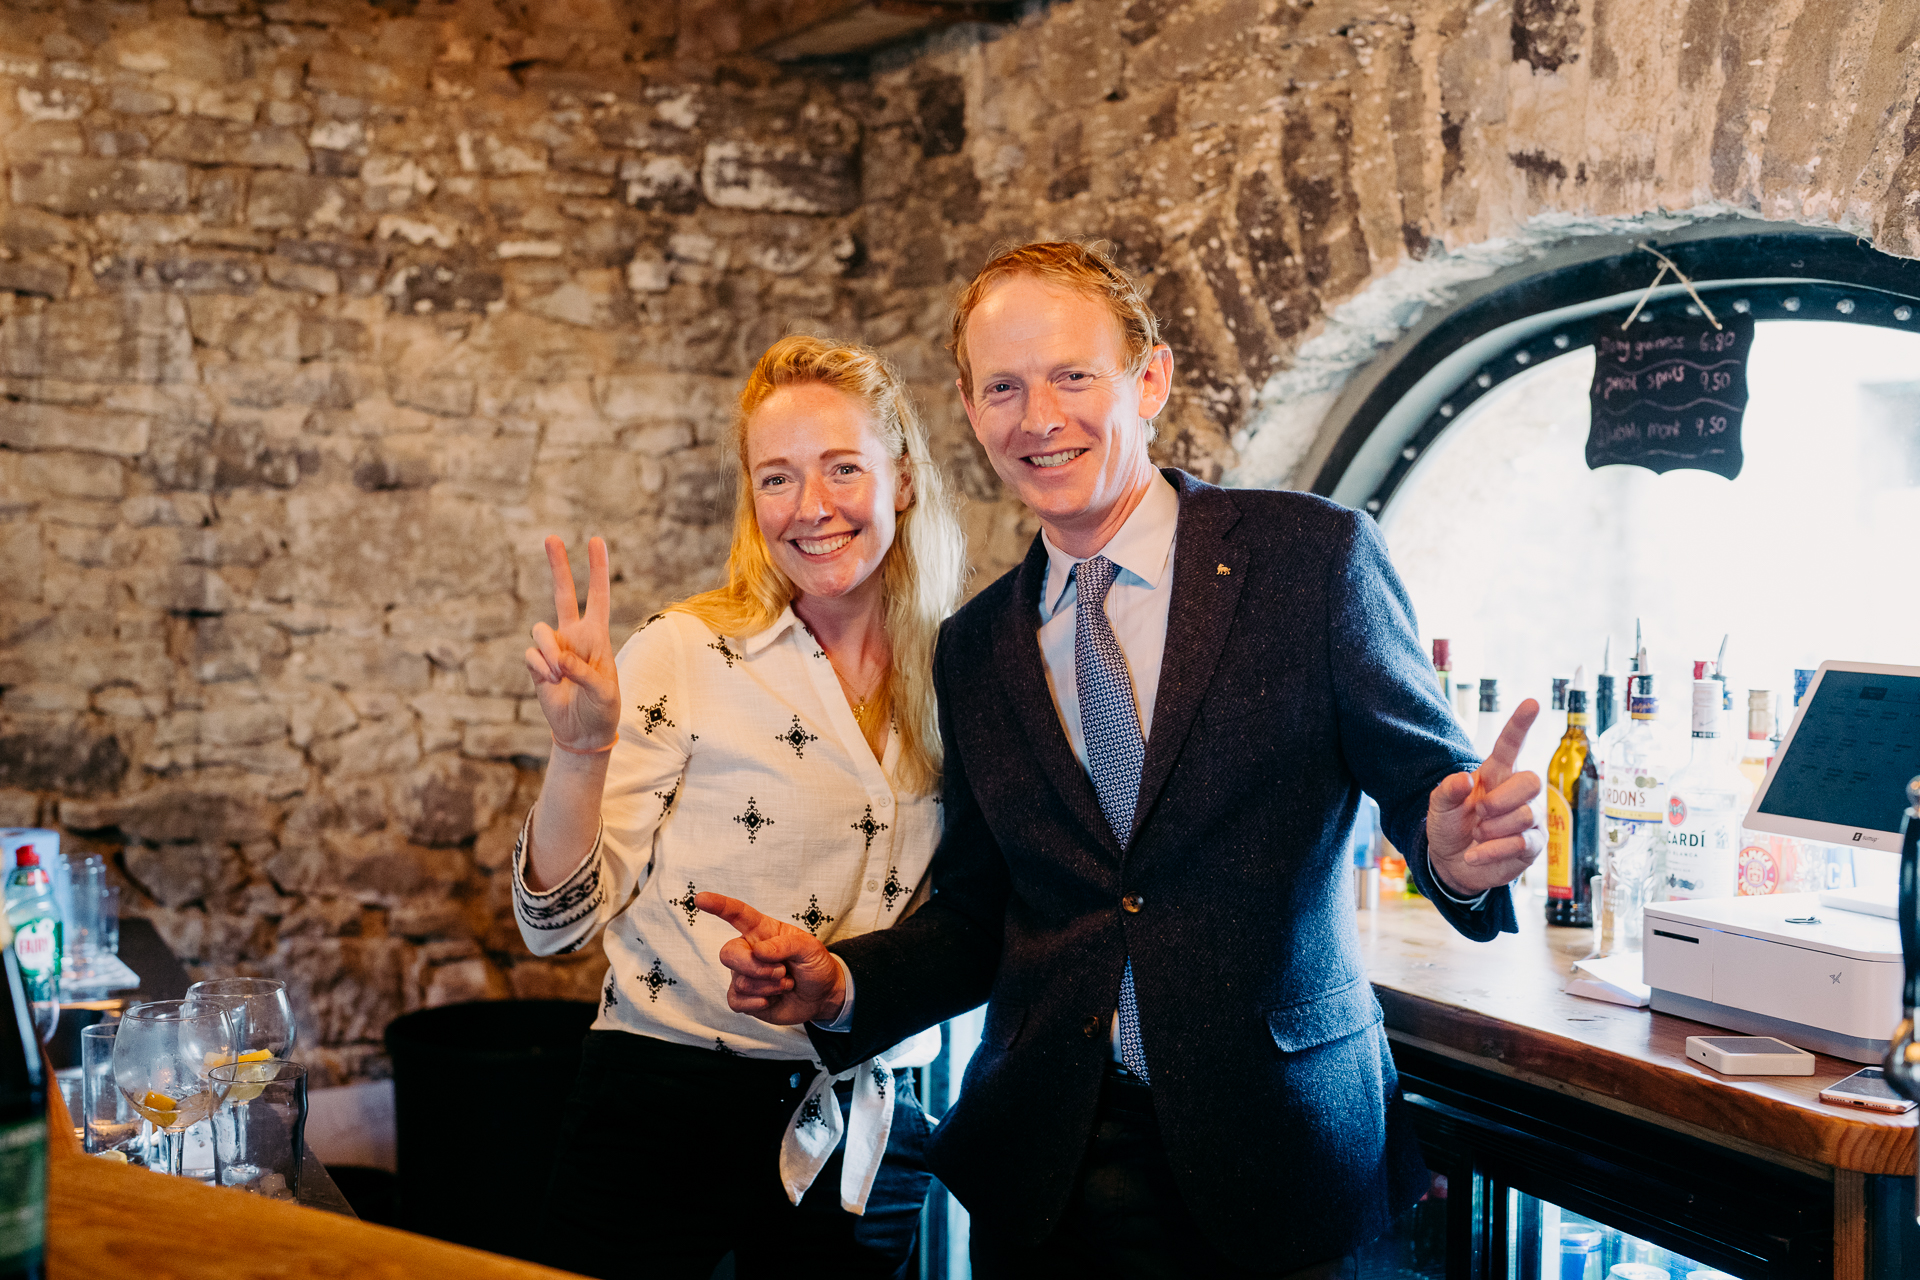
(1157, 730)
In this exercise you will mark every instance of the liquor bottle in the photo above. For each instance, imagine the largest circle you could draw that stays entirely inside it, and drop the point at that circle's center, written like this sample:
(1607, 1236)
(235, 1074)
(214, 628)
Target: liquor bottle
(23, 1133)
(38, 935)
(1604, 706)
(1466, 706)
(1705, 803)
(1632, 810)
(1756, 752)
(1487, 732)
(1573, 818)
(1443, 667)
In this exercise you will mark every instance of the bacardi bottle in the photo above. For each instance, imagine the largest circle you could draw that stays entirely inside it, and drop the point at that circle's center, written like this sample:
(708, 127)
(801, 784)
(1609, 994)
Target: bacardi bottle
(1705, 803)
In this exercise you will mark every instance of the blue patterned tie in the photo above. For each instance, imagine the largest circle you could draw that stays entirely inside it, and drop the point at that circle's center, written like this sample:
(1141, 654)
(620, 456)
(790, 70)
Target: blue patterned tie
(1110, 723)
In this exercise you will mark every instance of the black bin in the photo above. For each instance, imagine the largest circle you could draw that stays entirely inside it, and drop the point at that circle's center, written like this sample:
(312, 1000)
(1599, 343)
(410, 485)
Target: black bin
(477, 1090)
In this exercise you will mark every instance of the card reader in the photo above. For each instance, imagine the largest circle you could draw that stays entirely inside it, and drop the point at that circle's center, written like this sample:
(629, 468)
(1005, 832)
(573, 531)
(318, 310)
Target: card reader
(1750, 1056)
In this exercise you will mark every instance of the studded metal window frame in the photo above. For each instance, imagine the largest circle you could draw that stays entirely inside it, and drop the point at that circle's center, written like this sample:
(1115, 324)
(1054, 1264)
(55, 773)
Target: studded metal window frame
(1403, 403)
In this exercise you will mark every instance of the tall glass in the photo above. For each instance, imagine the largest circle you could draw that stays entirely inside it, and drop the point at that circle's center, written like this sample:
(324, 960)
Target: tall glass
(162, 1056)
(268, 1100)
(263, 1030)
(109, 1124)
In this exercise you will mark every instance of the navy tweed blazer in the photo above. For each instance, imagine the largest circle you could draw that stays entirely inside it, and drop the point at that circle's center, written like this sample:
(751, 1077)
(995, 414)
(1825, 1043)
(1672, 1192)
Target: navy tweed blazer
(1293, 680)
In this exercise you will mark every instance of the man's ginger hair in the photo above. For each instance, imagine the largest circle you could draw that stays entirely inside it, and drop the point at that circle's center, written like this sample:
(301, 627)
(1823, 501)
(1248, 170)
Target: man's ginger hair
(1076, 267)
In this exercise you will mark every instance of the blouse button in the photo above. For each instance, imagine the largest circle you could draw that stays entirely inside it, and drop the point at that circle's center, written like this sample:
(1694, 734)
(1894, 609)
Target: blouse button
(886, 802)
(872, 885)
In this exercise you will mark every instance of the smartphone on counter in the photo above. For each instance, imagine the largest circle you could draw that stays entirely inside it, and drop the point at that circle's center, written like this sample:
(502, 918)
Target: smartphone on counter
(1868, 1089)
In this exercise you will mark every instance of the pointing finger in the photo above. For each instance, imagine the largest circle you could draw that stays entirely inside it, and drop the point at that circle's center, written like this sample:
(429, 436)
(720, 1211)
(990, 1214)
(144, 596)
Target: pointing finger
(752, 925)
(1506, 749)
(566, 605)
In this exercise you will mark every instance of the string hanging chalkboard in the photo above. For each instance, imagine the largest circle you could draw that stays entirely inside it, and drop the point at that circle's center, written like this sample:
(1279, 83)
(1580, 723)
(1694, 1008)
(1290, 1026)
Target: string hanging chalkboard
(1670, 393)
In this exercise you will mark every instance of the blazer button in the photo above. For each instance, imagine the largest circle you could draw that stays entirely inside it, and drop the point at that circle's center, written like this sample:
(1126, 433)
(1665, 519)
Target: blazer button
(1090, 1028)
(1133, 902)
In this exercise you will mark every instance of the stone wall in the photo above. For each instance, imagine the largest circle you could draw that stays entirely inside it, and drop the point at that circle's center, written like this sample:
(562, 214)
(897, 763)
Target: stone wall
(315, 316)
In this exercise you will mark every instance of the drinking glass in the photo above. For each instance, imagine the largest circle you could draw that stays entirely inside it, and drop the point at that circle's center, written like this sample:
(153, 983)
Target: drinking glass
(83, 924)
(268, 1102)
(109, 921)
(263, 1030)
(109, 1124)
(262, 1019)
(161, 1058)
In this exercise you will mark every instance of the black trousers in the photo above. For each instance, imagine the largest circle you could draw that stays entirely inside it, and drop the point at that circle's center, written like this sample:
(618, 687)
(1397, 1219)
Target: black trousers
(1124, 1218)
(669, 1158)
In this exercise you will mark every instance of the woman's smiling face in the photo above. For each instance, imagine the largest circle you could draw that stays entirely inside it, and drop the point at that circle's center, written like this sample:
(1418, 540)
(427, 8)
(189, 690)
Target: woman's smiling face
(825, 492)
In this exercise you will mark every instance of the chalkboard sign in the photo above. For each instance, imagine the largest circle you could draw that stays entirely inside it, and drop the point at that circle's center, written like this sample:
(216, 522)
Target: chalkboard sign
(1670, 393)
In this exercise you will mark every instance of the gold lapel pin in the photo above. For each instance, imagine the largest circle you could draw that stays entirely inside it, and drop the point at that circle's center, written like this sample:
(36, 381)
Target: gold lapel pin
(1221, 570)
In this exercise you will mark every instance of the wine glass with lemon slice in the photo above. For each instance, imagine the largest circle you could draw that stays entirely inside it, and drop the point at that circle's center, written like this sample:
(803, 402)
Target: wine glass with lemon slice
(263, 1032)
(160, 1061)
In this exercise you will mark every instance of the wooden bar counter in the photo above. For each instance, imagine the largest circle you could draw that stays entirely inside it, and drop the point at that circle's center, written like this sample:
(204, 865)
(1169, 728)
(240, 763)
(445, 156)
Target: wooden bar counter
(109, 1220)
(1499, 1007)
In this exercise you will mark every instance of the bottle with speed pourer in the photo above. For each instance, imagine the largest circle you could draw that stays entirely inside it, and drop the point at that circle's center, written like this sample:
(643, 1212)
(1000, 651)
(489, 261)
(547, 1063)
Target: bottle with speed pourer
(1705, 803)
(23, 1132)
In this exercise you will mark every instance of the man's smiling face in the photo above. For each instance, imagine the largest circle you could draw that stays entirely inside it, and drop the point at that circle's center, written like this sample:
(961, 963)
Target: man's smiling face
(1063, 420)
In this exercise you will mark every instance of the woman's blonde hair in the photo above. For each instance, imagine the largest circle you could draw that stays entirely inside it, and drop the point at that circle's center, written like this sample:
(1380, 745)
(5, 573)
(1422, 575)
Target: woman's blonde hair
(924, 569)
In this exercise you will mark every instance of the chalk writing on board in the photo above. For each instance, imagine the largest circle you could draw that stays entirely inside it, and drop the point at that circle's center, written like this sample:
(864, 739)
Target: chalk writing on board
(1670, 393)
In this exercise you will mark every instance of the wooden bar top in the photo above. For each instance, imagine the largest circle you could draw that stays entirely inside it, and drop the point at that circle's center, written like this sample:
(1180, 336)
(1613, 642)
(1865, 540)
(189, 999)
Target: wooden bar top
(110, 1220)
(1500, 1006)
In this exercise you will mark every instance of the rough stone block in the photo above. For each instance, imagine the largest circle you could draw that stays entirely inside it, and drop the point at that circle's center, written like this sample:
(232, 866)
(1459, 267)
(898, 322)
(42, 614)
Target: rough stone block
(134, 338)
(88, 185)
(187, 590)
(667, 183)
(445, 397)
(238, 647)
(780, 177)
(69, 760)
(22, 561)
(41, 277)
(298, 276)
(178, 875)
(72, 475)
(280, 200)
(224, 811)
(270, 147)
(420, 290)
(180, 272)
(507, 741)
(448, 800)
(630, 398)
(43, 426)
(138, 100)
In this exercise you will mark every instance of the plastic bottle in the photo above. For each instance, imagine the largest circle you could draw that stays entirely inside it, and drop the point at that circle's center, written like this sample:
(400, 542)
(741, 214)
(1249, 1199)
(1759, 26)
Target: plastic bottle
(38, 935)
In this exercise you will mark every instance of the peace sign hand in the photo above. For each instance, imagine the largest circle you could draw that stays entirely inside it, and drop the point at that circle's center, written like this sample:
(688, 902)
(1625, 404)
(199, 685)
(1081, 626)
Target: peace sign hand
(1481, 828)
(572, 664)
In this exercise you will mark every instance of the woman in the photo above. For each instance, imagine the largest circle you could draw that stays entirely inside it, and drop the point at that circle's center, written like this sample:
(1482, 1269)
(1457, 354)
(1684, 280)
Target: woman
(774, 739)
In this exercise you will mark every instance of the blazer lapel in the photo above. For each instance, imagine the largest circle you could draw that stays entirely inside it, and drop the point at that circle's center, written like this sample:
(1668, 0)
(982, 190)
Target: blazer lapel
(1022, 673)
(1207, 576)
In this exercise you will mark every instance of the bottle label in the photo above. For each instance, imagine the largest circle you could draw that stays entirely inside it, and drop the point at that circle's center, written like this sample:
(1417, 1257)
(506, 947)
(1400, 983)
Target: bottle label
(36, 944)
(1559, 845)
(23, 1192)
(1643, 706)
(1703, 854)
(1759, 872)
(1676, 810)
(1629, 798)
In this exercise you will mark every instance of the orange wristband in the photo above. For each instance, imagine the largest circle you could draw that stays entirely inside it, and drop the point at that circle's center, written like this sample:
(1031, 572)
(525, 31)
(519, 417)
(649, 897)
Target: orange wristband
(576, 751)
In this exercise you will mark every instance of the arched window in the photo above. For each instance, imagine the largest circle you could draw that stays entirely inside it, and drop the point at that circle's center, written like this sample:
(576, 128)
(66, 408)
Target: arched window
(1467, 441)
